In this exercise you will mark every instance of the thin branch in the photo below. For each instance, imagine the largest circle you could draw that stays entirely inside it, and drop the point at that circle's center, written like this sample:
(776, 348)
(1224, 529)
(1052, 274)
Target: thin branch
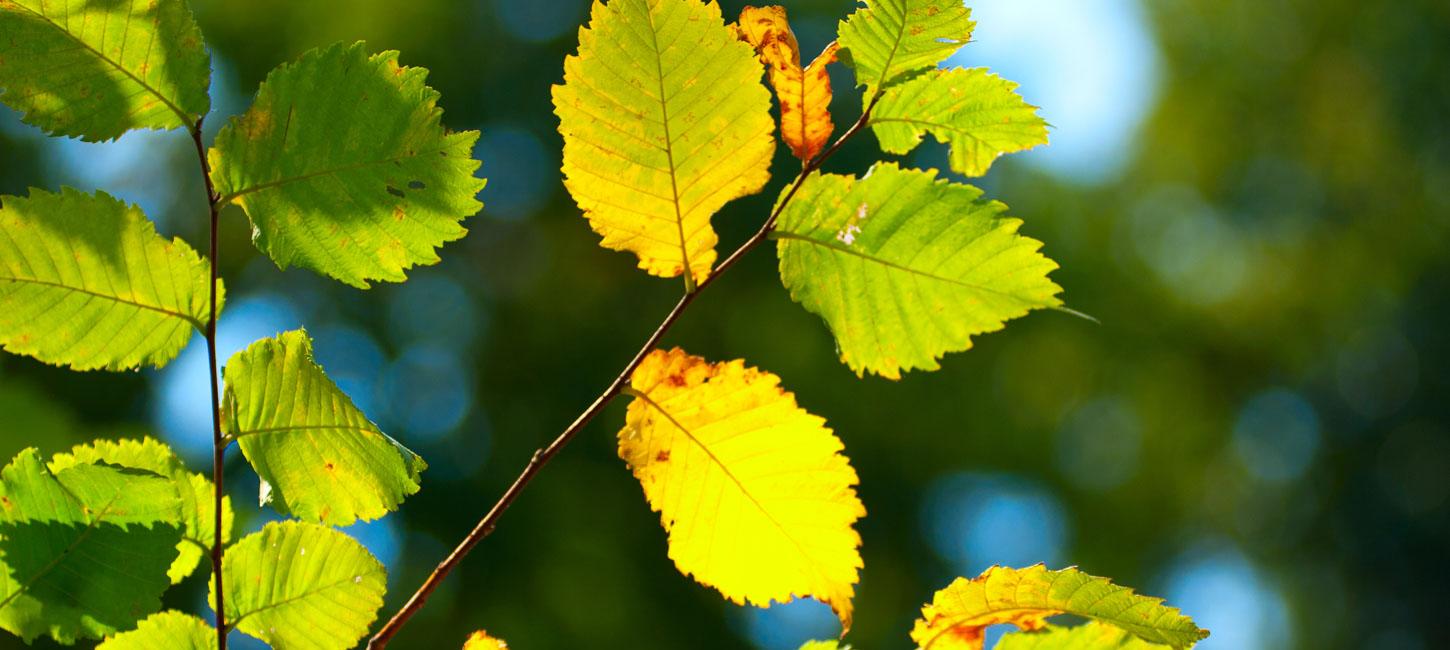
(219, 445)
(542, 457)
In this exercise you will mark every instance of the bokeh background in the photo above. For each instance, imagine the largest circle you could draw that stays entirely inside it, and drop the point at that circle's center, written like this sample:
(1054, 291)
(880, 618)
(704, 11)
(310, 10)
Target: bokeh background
(1252, 196)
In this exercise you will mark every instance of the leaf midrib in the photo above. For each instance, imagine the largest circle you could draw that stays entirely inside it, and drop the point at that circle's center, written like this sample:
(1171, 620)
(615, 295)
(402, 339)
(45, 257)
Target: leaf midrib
(195, 322)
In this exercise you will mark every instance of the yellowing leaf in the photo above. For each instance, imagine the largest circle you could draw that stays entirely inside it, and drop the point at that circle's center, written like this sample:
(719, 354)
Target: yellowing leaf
(168, 630)
(959, 615)
(978, 113)
(664, 121)
(804, 94)
(887, 41)
(1089, 636)
(757, 498)
(480, 640)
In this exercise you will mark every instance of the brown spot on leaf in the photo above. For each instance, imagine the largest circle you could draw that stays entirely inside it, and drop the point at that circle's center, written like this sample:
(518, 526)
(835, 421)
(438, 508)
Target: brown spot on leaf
(663, 456)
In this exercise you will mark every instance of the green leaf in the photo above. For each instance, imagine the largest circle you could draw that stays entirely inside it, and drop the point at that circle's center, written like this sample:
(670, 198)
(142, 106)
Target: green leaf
(1090, 636)
(98, 69)
(86, 282)
(890, 40)
(824, 645)
(85, 549)
(168, 630)
(904, 267)
(344, 167)
(978, 113)
(198, 509)
(665, 121)
(302, 586)
(319, 457)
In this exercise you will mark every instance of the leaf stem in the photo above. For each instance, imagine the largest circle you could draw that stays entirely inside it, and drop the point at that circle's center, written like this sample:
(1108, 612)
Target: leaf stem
(219, 444)
(620, 385)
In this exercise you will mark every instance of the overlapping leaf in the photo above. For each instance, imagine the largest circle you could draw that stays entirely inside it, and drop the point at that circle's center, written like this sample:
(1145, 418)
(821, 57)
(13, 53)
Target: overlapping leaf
(757, 498)
(168, 630)
(904, 267)
(344, 167)
(481, 640)
(86, 282)
(887, 41)
(302, 586)
(319, 457)
(804, 94)
(1090, 636)
(958, 616)
(978, 113)
(85, 549)
(95, 70)
(198, 503)
(664, 121)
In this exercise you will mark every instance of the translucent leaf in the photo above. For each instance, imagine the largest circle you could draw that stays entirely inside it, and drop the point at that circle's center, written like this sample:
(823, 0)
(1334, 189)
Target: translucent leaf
(319, 457)
(85, 549)
(804, 94)
(757, 498)
(978, 113)
(344, 167)
(198, 510)
(958, 616)
(95, 70)
(890, 40)
(168, 630)
(824, 645)
(86, 282)
(904, 267)
(664, 122)
(301, 586)
(480, 640)
(1090, 636)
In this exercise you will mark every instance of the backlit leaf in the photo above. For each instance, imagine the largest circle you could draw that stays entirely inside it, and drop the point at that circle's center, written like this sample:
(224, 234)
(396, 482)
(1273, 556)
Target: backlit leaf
(890, 40)
(958, 616)
(301, 586)
(319, 457)
(85, 549)
(1090, 636)
(86, 282)
(168, 630)
(904, 267)
(978, 113)
(824, 645)
(480, 640)
(344, 167)
(198, 509)
(96, 69)
(664, 121)
(757, 498)
(804, 94)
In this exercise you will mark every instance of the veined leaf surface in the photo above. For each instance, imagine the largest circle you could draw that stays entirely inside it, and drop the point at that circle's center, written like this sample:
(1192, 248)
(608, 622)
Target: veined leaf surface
(959, 615)
(904, 267)
(889, 40)
(664, 121)
(300, 586)
(758, 501)
(804, 94)
(976, 112)
(319, 457)
(85, 550)
(1092, 635)
(86, 282)
(344, 167)
(168, 630)
(95, 70)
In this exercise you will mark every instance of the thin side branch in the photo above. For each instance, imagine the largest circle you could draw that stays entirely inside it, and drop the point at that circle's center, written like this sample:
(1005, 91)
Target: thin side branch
(542, 457)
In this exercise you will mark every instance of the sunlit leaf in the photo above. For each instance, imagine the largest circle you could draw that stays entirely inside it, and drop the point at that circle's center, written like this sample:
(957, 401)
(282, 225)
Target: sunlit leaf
(319, 457)
(824, 645)
(904, 267)
(301, 586)
(86, 282)
(344, 167)
(85, 549)
(1090, 636)
(480, 640)
(198, 504)
(757, 498)
(96, 69)
(959, 615)
(978, 113)
(664, 121)
(168, 630)
(804, 94)
(887, 41)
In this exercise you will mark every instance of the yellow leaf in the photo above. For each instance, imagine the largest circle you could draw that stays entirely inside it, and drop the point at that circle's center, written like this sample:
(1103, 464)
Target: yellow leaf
(959, 615)
(804, 94)
(480, 640)
(664, 120)
(758, 501)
